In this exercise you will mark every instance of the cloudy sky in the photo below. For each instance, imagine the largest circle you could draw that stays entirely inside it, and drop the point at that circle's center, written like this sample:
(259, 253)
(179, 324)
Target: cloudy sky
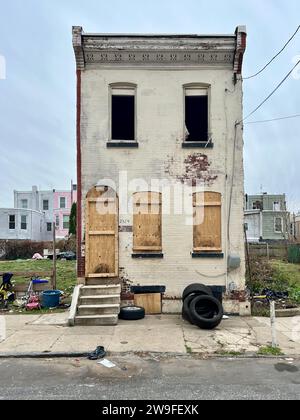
(37, 98)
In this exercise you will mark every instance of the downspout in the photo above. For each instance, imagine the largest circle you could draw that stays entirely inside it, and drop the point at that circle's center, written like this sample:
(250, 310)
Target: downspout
(79, 166)
(77, 40)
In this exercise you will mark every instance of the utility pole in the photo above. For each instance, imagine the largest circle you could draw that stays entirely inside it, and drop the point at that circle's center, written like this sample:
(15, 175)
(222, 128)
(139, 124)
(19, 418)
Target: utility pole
(54, 256)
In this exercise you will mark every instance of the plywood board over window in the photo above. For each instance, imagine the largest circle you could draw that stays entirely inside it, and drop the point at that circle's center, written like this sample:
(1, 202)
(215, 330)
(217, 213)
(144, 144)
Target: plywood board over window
(207, 222)
(147, 222)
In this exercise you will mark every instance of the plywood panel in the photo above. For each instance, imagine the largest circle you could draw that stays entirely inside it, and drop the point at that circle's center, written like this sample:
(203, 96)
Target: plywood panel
(101, 233)
(207, 222)
(147, 223)
(151, 302)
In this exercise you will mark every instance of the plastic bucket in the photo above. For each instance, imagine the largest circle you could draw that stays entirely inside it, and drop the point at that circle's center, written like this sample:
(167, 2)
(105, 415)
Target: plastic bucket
(50, 298)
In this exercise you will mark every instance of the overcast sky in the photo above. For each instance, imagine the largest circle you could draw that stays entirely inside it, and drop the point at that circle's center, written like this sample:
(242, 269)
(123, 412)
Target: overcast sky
(37, 99)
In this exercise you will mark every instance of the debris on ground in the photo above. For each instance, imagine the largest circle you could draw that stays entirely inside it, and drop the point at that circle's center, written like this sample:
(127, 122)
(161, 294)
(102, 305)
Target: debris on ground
(99, 353)
(107, 363)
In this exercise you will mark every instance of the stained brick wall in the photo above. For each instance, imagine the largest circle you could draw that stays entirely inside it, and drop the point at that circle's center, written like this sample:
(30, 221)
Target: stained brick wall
(160, 132)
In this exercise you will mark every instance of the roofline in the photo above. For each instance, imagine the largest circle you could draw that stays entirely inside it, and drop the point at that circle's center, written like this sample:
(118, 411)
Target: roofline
(166, 35)
(239, 38)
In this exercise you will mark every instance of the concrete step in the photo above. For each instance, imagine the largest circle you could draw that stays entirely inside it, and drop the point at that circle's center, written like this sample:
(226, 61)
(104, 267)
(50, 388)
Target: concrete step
(97, 320)
(104, 309)
(99, 290)
(90, 281)
(101, 299)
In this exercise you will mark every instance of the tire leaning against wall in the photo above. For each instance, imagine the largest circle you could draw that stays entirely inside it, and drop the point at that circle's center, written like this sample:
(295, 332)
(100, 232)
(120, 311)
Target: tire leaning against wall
(208, 304)
(196, 289)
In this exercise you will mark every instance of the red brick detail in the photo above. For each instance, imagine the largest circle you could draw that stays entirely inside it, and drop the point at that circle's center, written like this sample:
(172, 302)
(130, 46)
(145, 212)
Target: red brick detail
(241, 41)
(80, 258)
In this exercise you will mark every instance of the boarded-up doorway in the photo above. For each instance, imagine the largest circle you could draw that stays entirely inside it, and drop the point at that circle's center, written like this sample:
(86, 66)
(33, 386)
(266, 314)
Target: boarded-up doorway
(102, 227)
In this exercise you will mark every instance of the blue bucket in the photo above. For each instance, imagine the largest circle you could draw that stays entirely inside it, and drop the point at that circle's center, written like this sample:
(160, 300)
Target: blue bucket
(50, 298)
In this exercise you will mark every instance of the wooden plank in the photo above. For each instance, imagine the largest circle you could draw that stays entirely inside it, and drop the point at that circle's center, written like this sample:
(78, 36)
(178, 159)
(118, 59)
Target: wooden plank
(147, 248)
(207, 223)
(29, 274)
(102, 275)
(101, 232)
(152, 303)
(147, 222)
(207, 249)
(212, 204)
(101, 200)
(22, 288)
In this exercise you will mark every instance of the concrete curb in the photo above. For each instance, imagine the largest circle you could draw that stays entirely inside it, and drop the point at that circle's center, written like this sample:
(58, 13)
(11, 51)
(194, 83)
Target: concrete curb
(41, 355)
(61, 355)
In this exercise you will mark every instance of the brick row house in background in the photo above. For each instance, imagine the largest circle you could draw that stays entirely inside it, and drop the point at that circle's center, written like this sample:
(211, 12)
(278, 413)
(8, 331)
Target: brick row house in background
(166, 108)
(34, 213)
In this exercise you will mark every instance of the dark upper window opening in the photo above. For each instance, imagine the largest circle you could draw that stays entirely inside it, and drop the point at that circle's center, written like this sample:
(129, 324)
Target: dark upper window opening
(196, 118)
(123, 117)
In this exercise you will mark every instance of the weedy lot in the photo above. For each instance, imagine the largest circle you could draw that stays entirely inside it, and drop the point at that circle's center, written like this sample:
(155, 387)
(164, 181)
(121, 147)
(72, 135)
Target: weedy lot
(66, 271)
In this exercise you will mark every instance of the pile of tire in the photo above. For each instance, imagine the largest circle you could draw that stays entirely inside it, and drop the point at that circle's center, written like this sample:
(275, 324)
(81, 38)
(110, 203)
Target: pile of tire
(201, 308)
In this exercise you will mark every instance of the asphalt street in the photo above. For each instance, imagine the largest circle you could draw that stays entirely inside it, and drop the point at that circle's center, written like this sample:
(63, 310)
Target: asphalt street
(150, 377)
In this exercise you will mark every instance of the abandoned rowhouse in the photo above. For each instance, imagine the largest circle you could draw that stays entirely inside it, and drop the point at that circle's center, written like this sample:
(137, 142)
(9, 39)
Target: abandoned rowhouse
(158, 129)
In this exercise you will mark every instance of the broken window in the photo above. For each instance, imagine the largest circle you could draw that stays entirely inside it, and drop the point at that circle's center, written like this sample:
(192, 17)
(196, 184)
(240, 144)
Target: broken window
(278, 225)
(123, 113)
(207, 222)
(196, 114)
(12, 222)
(23, 222)
(147, 222)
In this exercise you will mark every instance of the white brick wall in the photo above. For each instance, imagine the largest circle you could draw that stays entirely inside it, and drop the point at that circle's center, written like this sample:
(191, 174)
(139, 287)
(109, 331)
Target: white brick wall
(160, 155)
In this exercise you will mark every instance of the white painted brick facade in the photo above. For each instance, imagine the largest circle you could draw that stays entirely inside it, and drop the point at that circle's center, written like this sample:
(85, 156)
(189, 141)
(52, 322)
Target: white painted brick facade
(160, 131)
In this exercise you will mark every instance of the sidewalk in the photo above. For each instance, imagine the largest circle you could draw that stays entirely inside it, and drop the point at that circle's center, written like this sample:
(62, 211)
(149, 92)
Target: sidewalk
(163, 334)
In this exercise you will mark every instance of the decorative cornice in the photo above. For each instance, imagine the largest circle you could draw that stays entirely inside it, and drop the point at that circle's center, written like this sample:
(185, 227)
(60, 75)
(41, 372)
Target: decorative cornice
(78, 48)
(159, 50)
(159, 58)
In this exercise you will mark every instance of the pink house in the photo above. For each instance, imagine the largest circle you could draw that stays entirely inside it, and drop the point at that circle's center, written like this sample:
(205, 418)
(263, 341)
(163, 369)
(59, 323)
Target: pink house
(62, 204)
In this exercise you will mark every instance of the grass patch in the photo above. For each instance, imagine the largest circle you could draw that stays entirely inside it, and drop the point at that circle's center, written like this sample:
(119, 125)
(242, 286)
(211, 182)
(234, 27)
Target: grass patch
(66, 271)
(276, 275)
(270, 351)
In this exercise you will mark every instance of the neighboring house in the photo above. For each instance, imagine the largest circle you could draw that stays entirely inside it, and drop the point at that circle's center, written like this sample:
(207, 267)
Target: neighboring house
(63, 201)
(266, 218)
(42, 209)
(159, 108)
(23, 224)
(295, 227)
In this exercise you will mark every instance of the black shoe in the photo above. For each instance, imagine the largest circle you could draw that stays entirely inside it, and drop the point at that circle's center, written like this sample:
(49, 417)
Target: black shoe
(99, 353)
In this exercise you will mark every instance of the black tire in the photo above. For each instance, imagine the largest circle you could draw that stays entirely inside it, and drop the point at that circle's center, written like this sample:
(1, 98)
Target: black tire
(132, 313)
(186, 308)
(196, 289)
(213, 312)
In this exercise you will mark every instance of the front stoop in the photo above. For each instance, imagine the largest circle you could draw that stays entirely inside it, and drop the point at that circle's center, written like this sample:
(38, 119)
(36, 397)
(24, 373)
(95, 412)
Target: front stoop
(98, 304)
